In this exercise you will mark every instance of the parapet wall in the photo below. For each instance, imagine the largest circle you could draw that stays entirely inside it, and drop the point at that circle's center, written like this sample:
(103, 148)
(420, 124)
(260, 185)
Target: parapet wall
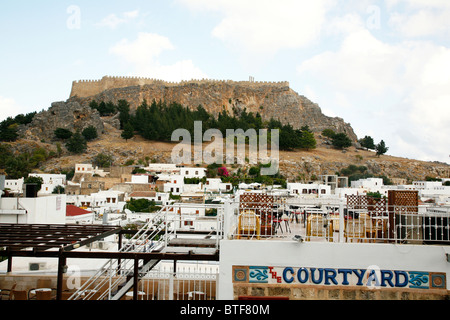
(87, 88)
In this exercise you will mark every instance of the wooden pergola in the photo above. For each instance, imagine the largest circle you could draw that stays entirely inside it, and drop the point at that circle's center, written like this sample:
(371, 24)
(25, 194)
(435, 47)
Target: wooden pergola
(60, 241)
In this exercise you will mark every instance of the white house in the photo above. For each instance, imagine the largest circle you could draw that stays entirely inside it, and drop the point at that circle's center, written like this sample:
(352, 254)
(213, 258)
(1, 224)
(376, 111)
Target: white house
(306, 188)
(14, 185)
(108, 201)
(158, 197)
(216, 185)
(195, 172)
(175, 184)
(89, 169)
(371, 184)
(421, 185)
(140, 178)
(50, 181)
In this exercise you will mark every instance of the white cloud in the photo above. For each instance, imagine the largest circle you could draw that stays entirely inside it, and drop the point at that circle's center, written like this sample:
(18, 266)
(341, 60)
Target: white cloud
(398, 90)
(144, 52)
(259, 29)
(9, 108)
(112, 21)
(420, 18)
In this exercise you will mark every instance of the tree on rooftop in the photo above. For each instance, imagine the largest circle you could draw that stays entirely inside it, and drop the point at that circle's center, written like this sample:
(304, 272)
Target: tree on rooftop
(34, 180)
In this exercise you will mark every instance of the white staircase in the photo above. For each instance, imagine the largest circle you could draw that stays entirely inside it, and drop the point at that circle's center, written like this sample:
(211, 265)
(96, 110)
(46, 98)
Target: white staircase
(115, 278)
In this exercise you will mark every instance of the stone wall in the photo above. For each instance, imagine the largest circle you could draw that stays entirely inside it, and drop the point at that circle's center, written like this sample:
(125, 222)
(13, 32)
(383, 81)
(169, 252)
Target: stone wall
(87, 88)
(301, 292)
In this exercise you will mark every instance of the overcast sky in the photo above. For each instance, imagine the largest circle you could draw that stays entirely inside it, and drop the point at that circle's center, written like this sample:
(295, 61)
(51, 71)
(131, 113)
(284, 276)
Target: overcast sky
(383, 66)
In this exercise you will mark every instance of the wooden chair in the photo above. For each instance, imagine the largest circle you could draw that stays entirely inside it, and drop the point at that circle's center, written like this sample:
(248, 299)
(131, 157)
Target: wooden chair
(43, 295)
(65, 295)
(381, 229)
(315, 227)
(249, 225)
(368, 225)
(42, 283)
(355, 229)
(18, 295)
(5, 294)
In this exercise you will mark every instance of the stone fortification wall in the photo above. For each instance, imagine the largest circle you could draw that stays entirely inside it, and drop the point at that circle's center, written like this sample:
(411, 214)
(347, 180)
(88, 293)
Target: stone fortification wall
(88, 88)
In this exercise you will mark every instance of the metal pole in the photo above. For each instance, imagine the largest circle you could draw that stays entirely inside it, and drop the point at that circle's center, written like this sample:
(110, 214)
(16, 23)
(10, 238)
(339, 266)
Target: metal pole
(341, 223)
(60, 279)
(136, 279)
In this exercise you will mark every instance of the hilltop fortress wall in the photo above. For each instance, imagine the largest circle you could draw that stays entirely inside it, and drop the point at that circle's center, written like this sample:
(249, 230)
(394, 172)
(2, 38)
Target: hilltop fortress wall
(88, 88)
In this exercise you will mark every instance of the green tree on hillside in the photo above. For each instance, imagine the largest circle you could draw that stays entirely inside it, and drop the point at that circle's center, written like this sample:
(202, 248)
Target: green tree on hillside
(128, 131)
(8, 130)
(381, 148)
(76, 144)
(63, 134)
(341, 141)
(367, 142)
(90, 133)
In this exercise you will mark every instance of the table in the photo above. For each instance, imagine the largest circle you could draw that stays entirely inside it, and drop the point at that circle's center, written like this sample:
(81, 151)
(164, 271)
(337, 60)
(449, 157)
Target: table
(41, 293)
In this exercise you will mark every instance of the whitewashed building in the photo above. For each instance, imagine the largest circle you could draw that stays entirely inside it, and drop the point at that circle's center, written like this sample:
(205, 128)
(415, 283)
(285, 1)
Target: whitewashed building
(216, 185)
(14, 185)
(50, 182)
(306, 188)
(39, 210)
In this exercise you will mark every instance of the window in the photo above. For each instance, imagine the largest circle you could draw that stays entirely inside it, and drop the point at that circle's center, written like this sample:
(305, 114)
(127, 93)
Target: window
(188, 223)
(323, 191)
(305, 191)
(113, 200)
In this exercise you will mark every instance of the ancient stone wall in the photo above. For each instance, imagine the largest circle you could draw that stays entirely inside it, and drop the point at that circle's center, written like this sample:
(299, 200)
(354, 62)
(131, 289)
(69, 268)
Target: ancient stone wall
(87, 88)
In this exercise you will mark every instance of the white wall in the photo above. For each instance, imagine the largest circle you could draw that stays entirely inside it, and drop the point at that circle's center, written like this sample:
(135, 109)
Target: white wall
(327, 255)
(14, 185)
(41, 210)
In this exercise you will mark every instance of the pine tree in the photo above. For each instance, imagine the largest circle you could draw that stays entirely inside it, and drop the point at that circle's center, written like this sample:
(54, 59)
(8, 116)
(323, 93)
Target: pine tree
(381, 148)
(128, 131)
(77, 144)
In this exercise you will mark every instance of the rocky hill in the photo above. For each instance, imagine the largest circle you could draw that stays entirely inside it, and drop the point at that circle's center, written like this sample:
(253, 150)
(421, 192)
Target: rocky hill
(271, 100)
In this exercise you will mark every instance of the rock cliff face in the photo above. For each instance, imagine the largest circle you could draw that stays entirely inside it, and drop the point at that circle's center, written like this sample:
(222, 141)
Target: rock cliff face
(68, 115)
(271, 100)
